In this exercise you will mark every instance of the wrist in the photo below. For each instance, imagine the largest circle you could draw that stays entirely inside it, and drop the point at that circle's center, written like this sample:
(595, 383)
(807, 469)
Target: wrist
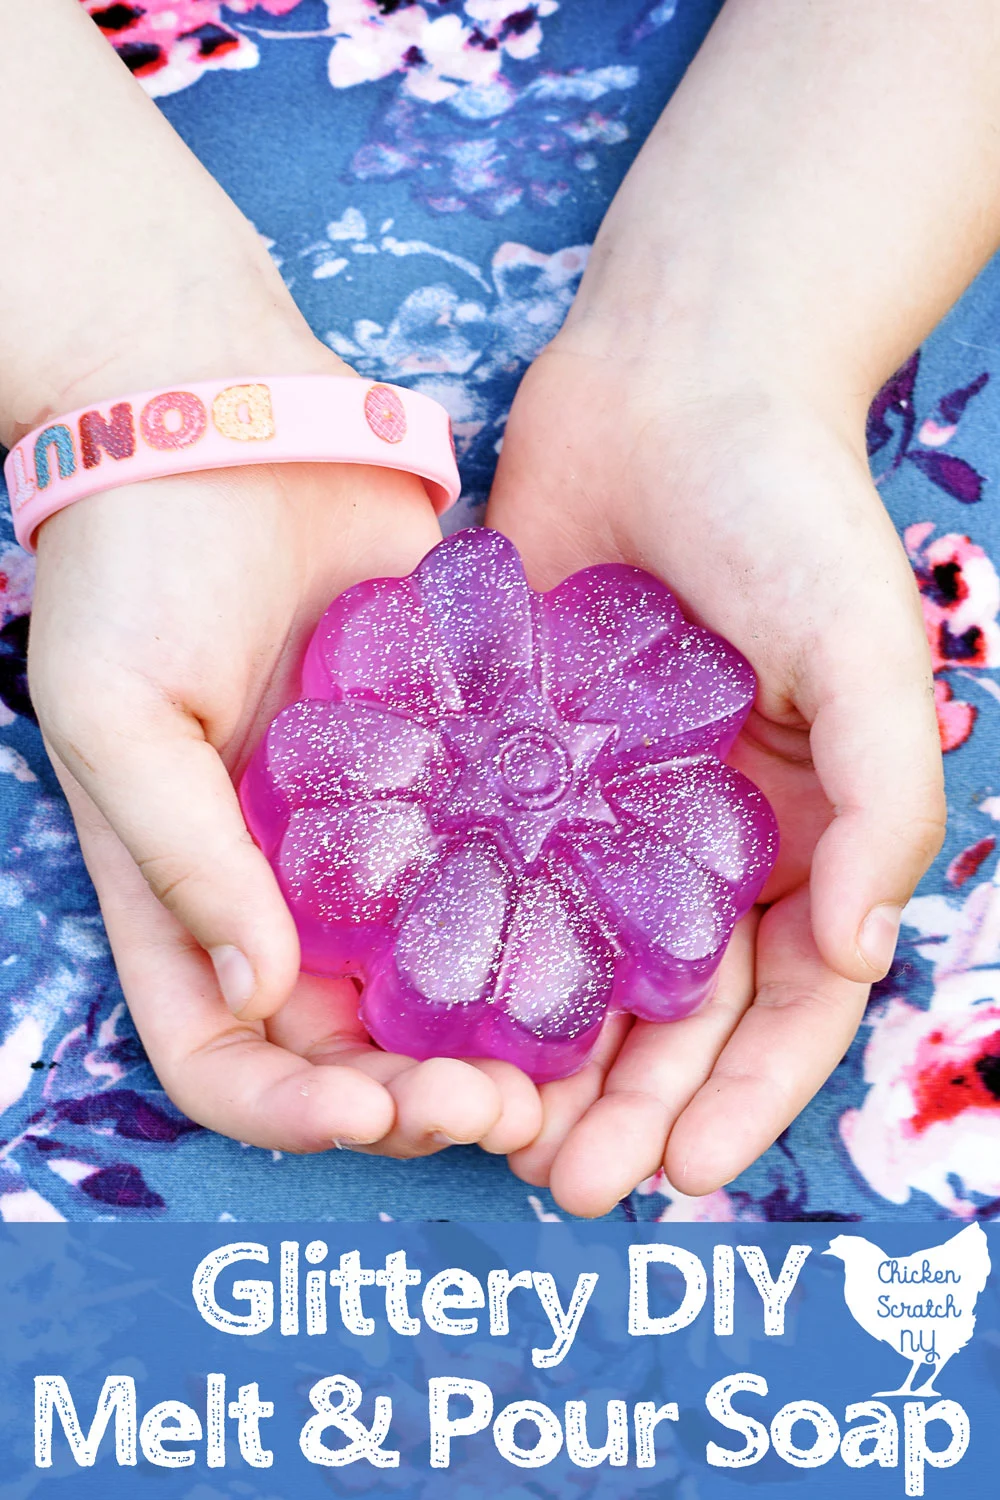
(174, 351)
(728, 436)
(704, 332)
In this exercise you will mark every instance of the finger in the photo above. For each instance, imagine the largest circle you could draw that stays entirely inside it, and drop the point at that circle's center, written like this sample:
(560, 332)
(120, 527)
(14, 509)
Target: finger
(877, 753)
(622, 1137)
(802, 1020)
(227, 1076)
(566, 1101)
(438, 1103)
(535, 473)
(168, 796)
(219, 1071)
(520, 1117)
(320, 1020)
(313, 1025)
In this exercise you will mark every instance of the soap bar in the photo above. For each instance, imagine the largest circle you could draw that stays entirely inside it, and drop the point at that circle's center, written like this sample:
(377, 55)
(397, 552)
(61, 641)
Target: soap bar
(507, 812)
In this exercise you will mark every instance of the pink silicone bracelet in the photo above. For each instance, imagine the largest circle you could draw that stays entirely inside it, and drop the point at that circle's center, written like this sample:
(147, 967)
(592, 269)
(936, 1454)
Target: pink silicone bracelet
(213, 424)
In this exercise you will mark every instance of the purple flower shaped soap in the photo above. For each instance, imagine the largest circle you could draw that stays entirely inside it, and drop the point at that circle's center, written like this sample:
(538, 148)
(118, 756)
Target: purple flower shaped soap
(507, 811)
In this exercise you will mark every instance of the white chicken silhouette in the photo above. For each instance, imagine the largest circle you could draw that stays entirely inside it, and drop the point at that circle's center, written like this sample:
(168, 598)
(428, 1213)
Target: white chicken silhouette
(921, 1305)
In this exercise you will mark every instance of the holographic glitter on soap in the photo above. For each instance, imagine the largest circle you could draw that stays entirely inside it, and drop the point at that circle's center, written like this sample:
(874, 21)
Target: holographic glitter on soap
(507, 811)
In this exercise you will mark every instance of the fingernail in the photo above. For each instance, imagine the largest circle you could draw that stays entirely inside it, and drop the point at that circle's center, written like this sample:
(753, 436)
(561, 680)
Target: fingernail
(348, 1142)
(879, 935)
(441, 1139)
(235, 976)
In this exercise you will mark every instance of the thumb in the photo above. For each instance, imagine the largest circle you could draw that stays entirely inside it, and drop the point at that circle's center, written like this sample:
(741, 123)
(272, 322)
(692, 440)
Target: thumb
(553, 506)
(167, 794)
(876, 750)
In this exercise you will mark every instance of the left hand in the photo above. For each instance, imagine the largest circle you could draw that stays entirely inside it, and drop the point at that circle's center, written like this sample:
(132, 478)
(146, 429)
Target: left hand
(759, 512)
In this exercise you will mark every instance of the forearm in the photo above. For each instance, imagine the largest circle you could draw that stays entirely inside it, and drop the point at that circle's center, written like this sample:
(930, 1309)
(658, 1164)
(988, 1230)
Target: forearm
(820, 189)
(122, 261)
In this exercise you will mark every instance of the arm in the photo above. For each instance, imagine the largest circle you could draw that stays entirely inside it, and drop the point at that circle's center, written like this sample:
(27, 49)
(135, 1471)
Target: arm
(170, 616)
(820, 189)
(128, 265)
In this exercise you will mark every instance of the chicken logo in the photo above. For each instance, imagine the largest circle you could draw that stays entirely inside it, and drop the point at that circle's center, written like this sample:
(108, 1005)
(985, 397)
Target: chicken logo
(921, 1305)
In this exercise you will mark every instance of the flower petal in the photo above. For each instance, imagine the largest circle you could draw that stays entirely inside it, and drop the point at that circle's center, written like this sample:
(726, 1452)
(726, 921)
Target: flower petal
(376, 641)
(557, 970)
(685, 694)
(709, 812)
(667, 908)
(345, 872)
(426, 996)
(473, 588)
(354, 863)
(449, 942)
(316, 753)
(595, 622)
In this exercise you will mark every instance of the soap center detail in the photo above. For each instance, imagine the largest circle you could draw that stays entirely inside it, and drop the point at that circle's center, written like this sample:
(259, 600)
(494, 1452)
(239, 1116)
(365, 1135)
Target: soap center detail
(524, 770)
(534, 769)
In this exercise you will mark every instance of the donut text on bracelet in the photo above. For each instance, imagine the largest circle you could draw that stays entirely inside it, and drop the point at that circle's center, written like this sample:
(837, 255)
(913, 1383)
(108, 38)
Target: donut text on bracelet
(217, 424)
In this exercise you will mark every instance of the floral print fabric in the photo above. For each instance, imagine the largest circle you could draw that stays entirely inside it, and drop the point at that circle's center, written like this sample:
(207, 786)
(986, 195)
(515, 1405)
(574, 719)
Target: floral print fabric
(428, 177)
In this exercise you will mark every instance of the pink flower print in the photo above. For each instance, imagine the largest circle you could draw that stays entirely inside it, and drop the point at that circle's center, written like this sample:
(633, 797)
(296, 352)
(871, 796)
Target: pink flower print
(955, 717)
(931, 1119)
(960, 594)
(168, 44)
(437, 53)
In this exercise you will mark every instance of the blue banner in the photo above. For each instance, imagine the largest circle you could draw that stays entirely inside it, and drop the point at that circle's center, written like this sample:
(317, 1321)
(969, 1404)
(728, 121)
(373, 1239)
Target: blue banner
(220, 1361)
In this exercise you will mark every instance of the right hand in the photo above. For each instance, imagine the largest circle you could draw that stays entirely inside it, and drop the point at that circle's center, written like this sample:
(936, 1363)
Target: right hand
(761, 515)
(169, 621)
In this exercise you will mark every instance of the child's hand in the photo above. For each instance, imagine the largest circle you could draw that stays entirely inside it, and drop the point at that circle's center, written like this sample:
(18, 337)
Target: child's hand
(169, 623)
(771, 257)
(764, 521)
(169, 617)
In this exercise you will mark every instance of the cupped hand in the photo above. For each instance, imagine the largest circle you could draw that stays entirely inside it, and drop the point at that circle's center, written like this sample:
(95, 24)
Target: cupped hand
(169, 622)
(760, 514)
